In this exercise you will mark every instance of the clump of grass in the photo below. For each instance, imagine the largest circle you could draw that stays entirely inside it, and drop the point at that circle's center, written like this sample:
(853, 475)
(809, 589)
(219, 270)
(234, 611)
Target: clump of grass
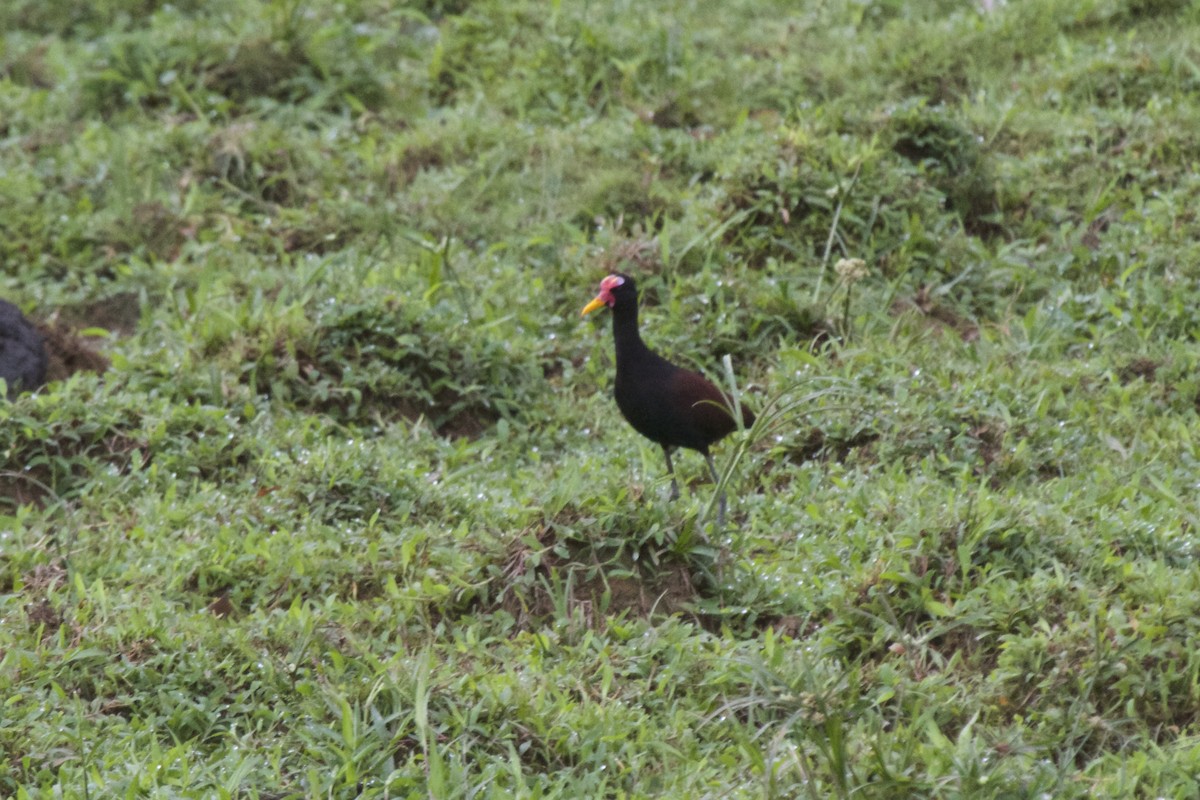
(952, 157)
(399, 359)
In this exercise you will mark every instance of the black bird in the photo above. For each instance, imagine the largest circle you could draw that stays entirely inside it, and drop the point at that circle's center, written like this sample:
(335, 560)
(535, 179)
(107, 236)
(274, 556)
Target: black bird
(22, 351)
(667, 404)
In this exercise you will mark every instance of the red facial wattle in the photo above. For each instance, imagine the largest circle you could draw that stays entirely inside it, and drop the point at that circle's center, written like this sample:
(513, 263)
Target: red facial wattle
(605, 298)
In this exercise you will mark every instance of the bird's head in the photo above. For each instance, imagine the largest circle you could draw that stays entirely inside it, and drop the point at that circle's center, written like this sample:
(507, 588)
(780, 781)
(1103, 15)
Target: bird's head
(615, 289)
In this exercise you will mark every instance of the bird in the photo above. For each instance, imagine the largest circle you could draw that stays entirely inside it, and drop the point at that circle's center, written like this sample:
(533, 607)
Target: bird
(669, 405)
(22, 351)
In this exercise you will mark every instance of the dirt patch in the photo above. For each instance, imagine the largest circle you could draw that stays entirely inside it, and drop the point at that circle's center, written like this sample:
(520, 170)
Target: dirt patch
(575, 578)
(413, 161)
(1141, 368)
(989, 438)
(468, 423)
(818, 445)
(36, 588)
(117, 314)
(42, 614)
(936, 316)
(69, 352)
(260, 68)
(24, 488)
(221, 607)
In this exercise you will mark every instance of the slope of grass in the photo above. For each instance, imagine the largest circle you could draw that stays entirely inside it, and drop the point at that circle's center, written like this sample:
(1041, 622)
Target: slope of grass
(352, 512)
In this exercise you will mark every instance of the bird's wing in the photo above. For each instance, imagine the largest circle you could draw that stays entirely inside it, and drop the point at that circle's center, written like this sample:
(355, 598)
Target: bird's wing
(705, 406)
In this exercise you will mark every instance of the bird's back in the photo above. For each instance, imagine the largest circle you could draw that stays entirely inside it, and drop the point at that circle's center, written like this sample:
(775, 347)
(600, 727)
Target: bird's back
(672, 406)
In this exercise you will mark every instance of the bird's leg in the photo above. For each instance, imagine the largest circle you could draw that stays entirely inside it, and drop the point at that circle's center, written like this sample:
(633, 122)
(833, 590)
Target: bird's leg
(721, 497)
(671, 472)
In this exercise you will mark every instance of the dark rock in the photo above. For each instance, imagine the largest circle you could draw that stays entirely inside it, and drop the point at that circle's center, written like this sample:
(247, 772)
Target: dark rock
(22, 351)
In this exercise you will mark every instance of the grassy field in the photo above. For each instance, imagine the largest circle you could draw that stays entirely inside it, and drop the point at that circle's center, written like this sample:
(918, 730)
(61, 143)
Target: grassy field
(347, 509)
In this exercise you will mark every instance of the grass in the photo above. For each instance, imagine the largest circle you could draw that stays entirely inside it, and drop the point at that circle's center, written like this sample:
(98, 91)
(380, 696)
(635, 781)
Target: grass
(351, 512)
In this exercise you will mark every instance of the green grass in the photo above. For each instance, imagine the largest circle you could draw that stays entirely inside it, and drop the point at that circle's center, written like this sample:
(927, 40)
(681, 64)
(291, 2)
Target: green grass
(353, 514)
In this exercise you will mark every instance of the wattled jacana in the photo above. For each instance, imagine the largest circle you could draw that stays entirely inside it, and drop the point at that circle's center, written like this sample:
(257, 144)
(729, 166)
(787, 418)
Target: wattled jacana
(667, 404)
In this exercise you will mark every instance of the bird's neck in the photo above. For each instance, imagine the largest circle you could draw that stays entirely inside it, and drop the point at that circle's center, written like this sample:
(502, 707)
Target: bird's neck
(626, 337)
